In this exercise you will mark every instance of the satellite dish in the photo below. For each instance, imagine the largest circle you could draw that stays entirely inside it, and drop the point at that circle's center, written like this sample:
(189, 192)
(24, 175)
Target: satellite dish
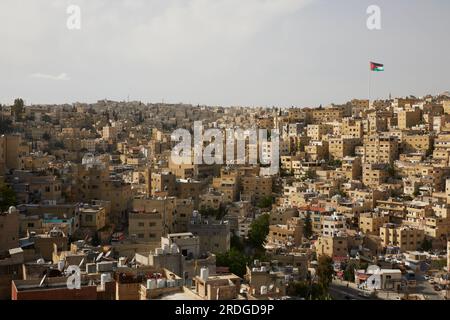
(373, 269)
(374, 282)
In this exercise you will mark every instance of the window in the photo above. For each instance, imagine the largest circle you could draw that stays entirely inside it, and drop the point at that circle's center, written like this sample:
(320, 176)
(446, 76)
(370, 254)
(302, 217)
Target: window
(141, 224)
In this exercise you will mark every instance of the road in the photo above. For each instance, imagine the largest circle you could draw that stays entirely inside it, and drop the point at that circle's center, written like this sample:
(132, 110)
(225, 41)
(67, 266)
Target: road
(339, 291)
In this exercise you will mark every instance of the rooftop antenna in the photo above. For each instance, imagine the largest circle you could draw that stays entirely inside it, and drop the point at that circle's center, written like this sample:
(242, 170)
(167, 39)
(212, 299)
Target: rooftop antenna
(99, 257)
(42, 281)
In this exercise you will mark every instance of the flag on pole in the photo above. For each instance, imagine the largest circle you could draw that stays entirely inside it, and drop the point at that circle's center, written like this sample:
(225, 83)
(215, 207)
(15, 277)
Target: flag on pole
(377, 67)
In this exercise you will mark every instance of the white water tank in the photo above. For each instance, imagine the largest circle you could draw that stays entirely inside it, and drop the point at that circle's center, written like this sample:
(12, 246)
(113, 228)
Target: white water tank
(151, 284)
(12, 210)
(165, 248)
(263, 269)
(104, 278)
(61, 265)
(161, 283)
(171, 283)
(263, 290)
(122, 261)
(40, 261)
(173, 248)
(204, 273)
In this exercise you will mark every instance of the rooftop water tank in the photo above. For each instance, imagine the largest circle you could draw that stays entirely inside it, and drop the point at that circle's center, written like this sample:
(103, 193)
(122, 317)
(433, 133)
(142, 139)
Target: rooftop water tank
(173, 248)
(161, 283)
(204, 273)
(263, 290)
(122, 261)
(171, 283)
(151, 284)
(61, 264)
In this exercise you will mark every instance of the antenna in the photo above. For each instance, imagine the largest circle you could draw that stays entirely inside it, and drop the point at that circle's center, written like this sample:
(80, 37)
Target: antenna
(99, 257)
(42, 281)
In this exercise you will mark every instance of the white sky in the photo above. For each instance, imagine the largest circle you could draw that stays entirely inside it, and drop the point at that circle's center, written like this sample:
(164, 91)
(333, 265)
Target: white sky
(221, 52)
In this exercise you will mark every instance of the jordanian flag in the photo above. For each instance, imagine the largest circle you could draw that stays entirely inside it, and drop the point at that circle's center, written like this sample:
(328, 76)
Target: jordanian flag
(377, 67)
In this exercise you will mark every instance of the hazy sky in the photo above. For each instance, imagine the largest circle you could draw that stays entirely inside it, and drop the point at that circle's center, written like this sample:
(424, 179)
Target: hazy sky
(221, 52)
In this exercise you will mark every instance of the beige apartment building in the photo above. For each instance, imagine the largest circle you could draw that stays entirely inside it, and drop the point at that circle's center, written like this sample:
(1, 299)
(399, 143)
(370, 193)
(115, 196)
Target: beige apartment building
(374, 175)
(403, 237)
(9, 230)
(9, 152)
(163, 183)
(146, 226)
(422, 143)
(228, 184)
(380, 149)
(317, 150)
(409, 118)
(287, 235)
(317, 131)
(92, 217)
(371, 222)
(335, 247)
(352, 128)
(352, 168)
(257, 187)
(339, 148)
(326, 115)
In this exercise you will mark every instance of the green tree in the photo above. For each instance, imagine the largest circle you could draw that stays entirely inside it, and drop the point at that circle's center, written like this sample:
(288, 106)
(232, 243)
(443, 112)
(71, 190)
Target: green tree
(265, 202)
(7, 197)
(234, 259)
(426, 245)
(259, 229)
(307, 230)
(349, 272)
(325, 271)
(6, 126)
(18, 108)
(236, 243)
(46, 118)
(313, 291)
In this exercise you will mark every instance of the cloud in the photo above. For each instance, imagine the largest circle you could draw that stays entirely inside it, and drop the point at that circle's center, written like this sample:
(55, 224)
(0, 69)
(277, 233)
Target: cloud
(60, 77)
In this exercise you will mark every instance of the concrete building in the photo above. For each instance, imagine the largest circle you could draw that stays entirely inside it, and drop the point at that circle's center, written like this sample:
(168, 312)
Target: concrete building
(405, 238)
(9, 229)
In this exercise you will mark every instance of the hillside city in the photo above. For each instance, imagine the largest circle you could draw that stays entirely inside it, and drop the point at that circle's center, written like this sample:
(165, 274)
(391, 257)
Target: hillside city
(93, 206)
